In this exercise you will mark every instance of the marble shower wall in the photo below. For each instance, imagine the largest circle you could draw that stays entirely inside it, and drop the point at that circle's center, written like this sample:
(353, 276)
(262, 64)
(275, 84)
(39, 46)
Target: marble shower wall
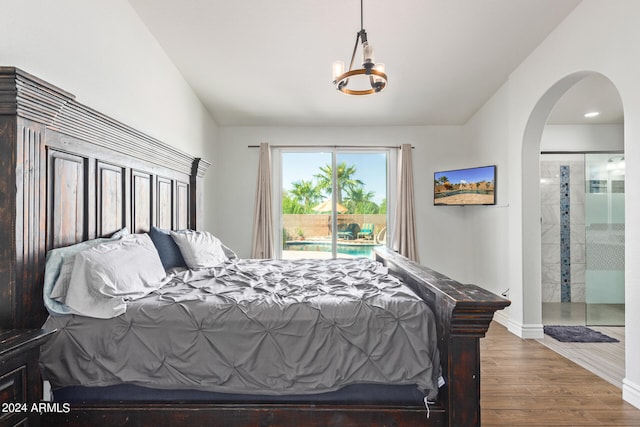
(562, 208)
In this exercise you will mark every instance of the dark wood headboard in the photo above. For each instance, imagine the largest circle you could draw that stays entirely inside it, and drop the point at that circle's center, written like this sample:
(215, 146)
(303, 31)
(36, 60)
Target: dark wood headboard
(69, 173)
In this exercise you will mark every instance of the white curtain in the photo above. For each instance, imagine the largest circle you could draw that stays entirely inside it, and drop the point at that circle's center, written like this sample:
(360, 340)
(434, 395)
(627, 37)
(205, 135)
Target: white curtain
(404, 236)
(263, 246)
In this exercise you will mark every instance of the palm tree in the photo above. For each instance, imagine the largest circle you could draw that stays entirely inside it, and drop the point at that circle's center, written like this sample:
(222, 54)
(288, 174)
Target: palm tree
(360, 202)
(383, 206)
(344, 176)
(306, 193)
(291, 206)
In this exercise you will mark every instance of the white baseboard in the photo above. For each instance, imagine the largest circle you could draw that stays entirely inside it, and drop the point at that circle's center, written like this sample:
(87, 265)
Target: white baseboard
(522, 331)
(535, 332)
(502, 317)
(631, 393)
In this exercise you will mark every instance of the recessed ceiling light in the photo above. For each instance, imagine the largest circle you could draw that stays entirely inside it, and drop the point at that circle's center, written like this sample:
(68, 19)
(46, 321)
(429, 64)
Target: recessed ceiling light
(591, 114)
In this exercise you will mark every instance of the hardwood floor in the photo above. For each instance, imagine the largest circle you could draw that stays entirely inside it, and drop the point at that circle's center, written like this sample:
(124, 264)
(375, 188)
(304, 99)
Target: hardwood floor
(606, 360)
(524, 383)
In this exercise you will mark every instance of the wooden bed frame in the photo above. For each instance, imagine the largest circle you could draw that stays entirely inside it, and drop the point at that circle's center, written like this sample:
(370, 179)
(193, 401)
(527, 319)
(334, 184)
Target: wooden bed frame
(69, 173)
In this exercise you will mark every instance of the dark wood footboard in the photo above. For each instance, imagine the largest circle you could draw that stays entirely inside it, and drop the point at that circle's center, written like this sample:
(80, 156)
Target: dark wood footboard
(230, 415)
(463, 313)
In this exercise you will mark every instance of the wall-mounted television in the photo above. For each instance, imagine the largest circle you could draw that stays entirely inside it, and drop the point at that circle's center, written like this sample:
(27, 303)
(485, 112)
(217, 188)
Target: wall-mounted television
(463, 187)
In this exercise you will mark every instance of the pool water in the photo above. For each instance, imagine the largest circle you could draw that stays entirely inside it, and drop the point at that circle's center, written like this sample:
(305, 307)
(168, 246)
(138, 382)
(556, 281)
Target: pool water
(353, 249)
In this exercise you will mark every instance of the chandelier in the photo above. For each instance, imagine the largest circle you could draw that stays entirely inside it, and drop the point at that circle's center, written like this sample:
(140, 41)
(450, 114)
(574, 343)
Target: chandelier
(374, 73)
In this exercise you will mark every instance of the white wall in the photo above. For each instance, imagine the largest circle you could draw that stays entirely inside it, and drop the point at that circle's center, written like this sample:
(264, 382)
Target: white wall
(583, 138)
(487, 234)
(600, 37)
(436, 148)
(103, 54)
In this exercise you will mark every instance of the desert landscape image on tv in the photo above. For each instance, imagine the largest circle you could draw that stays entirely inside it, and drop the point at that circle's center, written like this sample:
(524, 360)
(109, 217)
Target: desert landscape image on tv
(473, 186)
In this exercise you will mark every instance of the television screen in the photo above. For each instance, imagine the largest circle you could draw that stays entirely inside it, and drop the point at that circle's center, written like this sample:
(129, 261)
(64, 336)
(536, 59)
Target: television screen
(461, 187)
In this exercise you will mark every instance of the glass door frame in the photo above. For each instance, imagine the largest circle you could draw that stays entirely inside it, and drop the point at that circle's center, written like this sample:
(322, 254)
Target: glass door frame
(276, 156)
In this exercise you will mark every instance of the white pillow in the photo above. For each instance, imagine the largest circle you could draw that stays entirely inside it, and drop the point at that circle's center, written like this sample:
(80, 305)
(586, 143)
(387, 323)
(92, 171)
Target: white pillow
(57, 274)
(200, 249)
(106, 276)
(59, 291)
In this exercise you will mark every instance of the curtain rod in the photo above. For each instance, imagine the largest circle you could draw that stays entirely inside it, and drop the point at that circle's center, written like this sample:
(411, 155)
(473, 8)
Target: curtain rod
(330, 146)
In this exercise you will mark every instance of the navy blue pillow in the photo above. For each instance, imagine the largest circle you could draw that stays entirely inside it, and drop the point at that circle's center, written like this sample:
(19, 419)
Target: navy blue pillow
(169, 252)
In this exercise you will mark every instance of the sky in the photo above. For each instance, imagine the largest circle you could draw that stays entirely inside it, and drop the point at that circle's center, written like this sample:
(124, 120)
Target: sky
(472, 175)
(371, 169)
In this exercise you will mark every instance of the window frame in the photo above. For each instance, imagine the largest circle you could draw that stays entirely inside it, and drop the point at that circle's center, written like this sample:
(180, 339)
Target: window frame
(392, 181)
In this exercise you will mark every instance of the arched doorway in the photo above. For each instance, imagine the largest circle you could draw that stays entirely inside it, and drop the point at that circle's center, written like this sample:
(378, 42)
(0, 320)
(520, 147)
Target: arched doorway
(582, 171)
(531, 205)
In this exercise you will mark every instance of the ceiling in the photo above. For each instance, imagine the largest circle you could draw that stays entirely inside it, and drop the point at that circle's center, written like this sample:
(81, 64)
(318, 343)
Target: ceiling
(259, 62)
(594, 93)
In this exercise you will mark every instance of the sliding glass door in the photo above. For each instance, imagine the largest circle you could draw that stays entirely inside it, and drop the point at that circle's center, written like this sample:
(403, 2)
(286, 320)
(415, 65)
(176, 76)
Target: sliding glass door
(604, 226)
(333, 202)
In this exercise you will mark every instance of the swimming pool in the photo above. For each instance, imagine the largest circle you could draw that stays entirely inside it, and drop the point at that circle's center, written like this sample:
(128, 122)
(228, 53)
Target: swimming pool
(352, 249)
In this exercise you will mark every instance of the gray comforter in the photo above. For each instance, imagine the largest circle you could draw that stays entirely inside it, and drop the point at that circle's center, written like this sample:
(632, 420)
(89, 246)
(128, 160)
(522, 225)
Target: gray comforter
(256, 327)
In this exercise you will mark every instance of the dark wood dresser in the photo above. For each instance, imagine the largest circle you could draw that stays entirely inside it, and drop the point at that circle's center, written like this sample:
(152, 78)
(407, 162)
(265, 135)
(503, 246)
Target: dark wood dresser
(20, 382)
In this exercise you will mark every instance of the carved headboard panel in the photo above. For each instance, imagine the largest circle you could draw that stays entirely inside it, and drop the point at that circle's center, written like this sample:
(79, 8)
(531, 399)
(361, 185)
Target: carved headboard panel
(68, 174)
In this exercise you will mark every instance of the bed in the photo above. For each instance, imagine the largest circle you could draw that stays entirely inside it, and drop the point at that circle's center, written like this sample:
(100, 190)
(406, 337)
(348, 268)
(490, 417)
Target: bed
(76, 175)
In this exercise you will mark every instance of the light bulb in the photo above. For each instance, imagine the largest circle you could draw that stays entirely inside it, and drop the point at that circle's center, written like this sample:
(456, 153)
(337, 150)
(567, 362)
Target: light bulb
(380, 67)
(367, 54)
(338, 69)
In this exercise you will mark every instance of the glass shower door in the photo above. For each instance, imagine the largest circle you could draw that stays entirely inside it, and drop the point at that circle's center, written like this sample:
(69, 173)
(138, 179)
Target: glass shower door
(604, 226)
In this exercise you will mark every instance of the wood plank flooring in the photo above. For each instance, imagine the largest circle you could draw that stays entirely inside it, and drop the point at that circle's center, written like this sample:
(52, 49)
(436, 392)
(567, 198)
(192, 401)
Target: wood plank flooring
(524, 383)
(606, 360)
